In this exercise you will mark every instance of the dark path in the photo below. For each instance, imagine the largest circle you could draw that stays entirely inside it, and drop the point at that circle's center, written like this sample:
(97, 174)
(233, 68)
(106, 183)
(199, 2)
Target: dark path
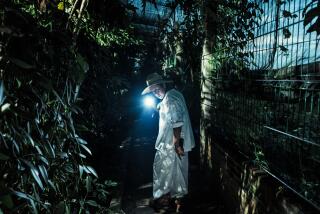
(137, 191)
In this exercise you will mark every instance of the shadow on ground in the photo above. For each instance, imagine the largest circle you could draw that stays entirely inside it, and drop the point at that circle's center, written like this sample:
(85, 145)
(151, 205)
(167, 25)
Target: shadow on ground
(202, 198)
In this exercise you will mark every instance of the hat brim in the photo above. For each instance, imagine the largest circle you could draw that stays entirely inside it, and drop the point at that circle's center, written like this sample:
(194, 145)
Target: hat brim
(150, 87)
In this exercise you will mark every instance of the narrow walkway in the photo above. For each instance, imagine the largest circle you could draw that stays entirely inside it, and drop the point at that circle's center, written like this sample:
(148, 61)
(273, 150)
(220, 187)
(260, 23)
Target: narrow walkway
(137, 191)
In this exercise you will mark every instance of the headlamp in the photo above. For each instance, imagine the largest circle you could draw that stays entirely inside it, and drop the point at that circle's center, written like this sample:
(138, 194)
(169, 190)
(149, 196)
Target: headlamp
(149, 102)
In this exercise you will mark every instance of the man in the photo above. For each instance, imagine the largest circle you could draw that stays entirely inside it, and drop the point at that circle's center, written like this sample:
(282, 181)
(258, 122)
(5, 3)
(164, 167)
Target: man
(170, 167)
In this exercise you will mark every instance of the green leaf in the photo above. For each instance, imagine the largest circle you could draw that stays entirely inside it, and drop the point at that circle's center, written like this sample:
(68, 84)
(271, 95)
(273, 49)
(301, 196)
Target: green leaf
(86, 148)
(30, 139)
(5, 107)
(20, 63)
(110, 183)
(39, 150)
(63, 155)
(82, 155)
(4, 157)
(34, 172)
(288, 14)
(315, 27)
(2, 97)
(44, 160)
(44, 173)
(81, 170)
(52, 185)
(88, 184)
(92, 203)
(58, 97)
(81, 141)
(311, 14)
(286, 33)
(23, 195)
(50, 150)
(15, 145)
(282, 48)
(67, 208)
(33, 205)
(92, 171)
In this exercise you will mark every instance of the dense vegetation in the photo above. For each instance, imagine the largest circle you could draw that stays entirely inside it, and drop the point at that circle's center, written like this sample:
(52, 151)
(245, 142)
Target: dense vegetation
(50, 52)
(66, 70)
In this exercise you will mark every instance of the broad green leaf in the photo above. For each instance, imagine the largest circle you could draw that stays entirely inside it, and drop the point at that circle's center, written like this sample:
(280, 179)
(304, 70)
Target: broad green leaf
(3, 156)
(5, 107)
(311, 14)
(44, 160)
(39, 150)
(63, 155)
(57, 95)
(34, 172)
(81, 127)
(67, 208)
(35, 192)
(15, 145)
(81, 170)
(92, 171)
(110, 183)
(86, 148)
(20, 63)
(286, 33)
(50, 149)
(44, 173)
(82, 155)
(30, 139)
(283, 48)
(92, 203)
(60, 6)
(83, 63)
(88, 184)
(33, 205)
(23, 195)
(2, 97)
(86, 170)
(81, 141)
(52, 185)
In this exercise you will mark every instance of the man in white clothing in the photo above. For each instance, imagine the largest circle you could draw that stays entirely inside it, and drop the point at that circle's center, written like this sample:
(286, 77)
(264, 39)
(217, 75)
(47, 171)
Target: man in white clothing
(174, 141)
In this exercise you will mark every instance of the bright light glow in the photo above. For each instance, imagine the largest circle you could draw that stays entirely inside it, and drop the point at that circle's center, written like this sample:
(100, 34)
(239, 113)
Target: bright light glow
(149, 102)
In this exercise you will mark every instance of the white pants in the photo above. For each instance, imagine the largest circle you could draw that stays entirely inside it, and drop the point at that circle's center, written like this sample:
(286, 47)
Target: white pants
(170, 174)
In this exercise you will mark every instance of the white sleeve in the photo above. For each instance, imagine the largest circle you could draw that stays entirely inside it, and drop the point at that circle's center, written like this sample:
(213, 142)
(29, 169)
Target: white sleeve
(175, 112)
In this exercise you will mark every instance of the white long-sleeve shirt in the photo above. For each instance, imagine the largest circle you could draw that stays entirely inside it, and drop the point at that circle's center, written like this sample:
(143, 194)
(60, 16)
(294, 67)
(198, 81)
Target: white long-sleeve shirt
(173, 113)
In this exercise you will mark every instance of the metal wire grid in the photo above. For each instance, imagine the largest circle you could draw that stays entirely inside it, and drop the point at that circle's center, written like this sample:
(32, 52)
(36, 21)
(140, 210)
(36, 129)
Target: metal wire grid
(158, 9)
(274, 118)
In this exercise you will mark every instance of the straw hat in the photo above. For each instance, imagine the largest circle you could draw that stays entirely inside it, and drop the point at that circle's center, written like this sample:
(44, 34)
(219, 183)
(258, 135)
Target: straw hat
(153, 80)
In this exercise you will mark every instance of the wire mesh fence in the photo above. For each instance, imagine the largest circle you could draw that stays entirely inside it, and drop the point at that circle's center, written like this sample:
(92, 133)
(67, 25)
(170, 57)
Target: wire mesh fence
(272, 115)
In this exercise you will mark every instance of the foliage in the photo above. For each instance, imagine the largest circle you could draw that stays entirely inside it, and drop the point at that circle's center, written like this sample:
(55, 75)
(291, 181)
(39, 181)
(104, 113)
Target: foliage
(311, 12)
(182, 43)
(42, 155)
(73, 15)
(231, 30)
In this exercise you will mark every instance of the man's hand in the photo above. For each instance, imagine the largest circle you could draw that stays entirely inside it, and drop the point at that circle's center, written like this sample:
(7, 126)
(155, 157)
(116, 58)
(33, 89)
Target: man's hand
(179, 150)
(176, 142)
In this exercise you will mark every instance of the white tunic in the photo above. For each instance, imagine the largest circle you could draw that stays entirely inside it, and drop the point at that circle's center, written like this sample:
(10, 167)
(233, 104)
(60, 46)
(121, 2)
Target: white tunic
(170, 173)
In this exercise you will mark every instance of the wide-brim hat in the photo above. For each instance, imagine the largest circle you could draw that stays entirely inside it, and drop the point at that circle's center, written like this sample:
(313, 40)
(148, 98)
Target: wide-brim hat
(153, 80)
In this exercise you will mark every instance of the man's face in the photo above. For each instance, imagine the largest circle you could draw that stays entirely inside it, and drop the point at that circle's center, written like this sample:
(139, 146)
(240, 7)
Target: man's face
(158, 92)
